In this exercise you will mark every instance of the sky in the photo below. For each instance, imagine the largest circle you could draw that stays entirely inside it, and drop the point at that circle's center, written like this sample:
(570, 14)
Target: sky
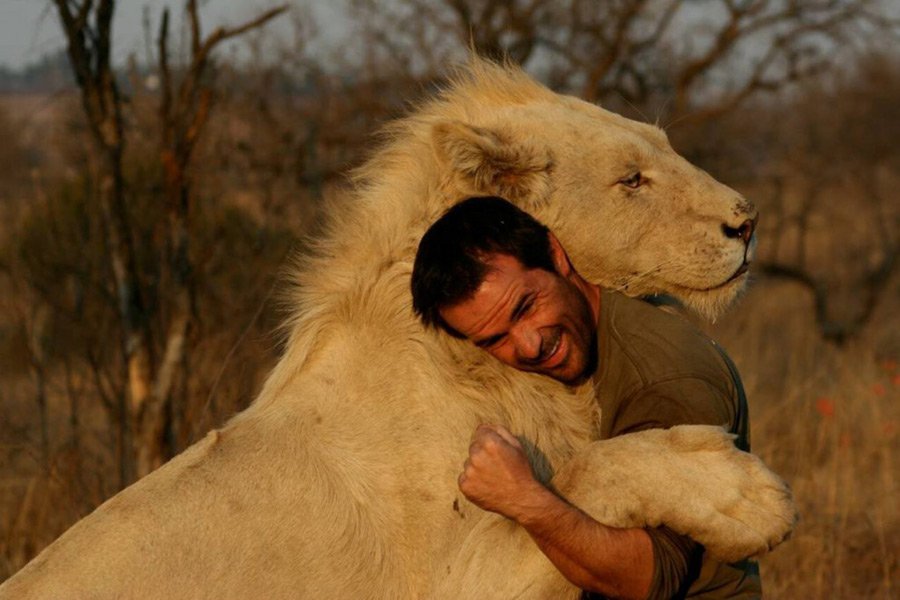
(29, 29)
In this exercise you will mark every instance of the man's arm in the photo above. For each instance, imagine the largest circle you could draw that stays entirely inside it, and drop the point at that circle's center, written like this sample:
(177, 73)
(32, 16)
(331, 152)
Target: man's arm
(498, 477)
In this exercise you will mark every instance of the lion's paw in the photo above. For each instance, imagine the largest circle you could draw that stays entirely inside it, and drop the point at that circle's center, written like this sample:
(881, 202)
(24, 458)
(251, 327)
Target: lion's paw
(757, 514)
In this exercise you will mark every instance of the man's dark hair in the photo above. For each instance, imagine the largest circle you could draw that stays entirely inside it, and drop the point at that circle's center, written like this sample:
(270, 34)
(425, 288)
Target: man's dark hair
(449, 264)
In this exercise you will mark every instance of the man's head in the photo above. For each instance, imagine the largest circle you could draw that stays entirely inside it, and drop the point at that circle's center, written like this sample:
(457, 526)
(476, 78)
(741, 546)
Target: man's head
(489, 272)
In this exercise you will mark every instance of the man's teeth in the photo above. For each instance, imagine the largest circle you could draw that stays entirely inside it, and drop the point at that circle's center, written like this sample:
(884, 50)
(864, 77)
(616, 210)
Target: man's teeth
(554, 348)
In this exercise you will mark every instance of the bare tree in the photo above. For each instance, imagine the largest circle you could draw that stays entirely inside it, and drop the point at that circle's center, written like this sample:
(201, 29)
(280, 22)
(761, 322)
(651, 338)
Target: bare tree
(146, 420)
(840, 147)
(88, 29)
(642, 51)
(184, 109)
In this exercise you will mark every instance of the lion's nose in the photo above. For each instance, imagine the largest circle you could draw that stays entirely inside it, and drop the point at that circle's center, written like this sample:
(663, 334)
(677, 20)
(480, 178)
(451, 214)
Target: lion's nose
(743, 231)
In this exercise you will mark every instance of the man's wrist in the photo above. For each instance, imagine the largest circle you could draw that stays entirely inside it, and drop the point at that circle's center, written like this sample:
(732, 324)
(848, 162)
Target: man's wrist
(535, 506)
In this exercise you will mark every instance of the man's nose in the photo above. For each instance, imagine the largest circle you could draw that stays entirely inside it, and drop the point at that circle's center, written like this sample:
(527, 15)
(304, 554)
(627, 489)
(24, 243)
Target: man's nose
(527, 343)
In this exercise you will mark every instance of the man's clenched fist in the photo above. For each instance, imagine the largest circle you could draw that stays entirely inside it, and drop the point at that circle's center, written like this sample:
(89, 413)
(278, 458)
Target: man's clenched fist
(497, 475)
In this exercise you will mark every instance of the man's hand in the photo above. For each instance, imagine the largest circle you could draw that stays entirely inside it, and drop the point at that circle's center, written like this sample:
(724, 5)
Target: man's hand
(497, 475)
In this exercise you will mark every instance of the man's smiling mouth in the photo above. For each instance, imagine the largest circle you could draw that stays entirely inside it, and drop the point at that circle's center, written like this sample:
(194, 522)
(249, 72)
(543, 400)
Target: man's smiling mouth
(553, 350)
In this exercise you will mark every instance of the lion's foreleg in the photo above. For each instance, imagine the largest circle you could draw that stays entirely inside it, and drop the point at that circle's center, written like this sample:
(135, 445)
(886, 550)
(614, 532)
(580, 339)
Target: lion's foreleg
(690, 478)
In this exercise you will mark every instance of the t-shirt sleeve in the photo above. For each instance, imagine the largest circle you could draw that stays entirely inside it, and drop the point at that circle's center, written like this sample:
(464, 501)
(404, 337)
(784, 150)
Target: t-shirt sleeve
(682, 401)
(676, 563)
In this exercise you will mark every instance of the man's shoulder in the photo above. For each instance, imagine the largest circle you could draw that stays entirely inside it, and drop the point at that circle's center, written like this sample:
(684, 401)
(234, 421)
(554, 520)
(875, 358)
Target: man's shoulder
(633, 316)
(659, 344)
(659, 371)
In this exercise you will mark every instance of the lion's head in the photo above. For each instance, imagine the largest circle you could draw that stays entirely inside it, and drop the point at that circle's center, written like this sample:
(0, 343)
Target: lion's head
(633, 214)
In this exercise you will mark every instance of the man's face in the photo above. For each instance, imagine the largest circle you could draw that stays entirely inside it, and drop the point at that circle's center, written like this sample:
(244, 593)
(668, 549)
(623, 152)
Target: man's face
(530, 319)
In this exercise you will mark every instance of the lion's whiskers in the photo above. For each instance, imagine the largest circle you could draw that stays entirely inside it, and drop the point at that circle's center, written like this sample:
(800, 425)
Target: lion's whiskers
(638, 277)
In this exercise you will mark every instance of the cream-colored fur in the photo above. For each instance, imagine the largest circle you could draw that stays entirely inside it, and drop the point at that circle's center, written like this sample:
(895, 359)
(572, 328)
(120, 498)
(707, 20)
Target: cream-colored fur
(340, 480)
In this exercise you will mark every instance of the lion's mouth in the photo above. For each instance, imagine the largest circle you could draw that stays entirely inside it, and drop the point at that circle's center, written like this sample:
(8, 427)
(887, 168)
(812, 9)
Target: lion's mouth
(737, 275)
(745, 266)
(740, 272)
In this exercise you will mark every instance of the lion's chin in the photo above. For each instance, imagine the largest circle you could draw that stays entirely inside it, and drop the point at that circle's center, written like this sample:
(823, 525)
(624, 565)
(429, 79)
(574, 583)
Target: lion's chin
(709, 302)
(738, 279)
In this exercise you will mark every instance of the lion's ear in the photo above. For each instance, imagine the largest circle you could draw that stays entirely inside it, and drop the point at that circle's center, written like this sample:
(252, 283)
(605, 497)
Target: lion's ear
(487, 162)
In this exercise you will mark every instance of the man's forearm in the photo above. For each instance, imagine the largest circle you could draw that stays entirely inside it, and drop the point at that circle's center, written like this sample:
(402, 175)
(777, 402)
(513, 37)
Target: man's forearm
(614, 562)
(498, 477)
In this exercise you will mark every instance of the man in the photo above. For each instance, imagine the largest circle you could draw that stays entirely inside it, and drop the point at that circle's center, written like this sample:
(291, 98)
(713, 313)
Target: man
(490, 273)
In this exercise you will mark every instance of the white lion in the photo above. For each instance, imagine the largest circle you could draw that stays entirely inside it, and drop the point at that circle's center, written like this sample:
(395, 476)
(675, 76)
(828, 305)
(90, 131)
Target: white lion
(340, 480)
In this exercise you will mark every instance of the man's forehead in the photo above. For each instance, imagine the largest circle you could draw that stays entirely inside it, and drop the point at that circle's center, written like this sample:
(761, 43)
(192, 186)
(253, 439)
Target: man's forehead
(504, 278)
(499, 265)
(492, 302)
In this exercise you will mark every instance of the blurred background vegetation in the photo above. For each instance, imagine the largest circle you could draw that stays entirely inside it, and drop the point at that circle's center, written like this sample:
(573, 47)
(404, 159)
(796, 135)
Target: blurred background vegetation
(151, 203)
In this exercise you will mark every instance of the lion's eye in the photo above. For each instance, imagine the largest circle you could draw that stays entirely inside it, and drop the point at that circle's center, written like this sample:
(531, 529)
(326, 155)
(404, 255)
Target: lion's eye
(633, 181)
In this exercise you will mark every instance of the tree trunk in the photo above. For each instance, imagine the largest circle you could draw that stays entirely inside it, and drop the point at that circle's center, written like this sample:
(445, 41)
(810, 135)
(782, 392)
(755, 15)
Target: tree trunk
(138, 363)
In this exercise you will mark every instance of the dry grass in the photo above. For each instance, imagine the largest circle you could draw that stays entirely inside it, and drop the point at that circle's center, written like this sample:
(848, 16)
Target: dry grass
(827, 420)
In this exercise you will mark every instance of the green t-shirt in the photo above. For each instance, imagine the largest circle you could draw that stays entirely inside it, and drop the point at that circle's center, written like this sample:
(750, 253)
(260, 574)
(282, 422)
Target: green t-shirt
(656, 370)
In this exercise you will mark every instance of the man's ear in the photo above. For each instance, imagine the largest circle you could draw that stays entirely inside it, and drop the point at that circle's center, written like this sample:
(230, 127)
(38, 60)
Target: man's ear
(560, 258)
(490, 162)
